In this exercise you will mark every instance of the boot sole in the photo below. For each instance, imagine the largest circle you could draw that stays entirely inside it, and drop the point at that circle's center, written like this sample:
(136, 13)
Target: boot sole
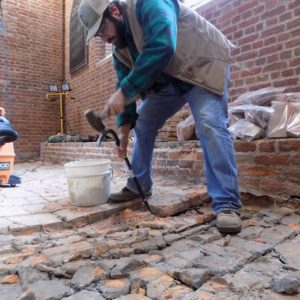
(112, 200)
(229, 230)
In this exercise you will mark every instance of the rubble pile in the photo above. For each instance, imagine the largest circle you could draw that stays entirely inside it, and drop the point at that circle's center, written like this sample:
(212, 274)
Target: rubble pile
(265, 113)
(50, 250)
(124, 257)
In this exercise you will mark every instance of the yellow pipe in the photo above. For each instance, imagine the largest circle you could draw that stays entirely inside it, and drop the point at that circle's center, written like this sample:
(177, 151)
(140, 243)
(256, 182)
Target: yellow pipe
(49, 96)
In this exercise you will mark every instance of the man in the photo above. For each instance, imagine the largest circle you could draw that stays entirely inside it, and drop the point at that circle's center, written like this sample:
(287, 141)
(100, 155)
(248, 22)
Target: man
(168, 54)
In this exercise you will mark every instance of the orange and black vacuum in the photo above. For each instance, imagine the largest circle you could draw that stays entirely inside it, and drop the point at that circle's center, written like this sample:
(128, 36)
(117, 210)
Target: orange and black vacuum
(7, 154)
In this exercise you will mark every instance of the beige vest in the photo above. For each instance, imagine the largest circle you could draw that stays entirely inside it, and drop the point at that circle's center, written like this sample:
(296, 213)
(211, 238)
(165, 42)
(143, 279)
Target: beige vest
(202, 51)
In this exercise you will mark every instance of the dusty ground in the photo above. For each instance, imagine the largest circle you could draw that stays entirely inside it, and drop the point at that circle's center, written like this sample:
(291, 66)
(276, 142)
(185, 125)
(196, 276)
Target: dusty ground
(50, 249)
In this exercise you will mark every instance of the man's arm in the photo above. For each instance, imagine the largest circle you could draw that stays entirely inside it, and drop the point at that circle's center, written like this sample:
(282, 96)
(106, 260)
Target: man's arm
(121, 70)
(158, 20)
(129, 115)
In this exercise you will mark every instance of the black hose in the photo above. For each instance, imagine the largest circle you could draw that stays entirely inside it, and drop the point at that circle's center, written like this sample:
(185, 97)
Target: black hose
(105, 135)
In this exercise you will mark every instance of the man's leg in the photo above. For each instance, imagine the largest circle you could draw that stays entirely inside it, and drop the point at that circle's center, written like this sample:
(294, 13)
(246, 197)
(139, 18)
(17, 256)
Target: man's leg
(153, 112)
(210, 114)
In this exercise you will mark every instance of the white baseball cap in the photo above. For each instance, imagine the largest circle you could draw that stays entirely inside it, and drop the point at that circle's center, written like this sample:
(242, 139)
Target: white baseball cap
(90, 14)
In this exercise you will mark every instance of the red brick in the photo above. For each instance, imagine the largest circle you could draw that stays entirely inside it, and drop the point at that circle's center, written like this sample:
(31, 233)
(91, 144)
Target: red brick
(236, 19)
(273, 12)
(248, 39)
(270, 4)
(294, 160)
(297, 12)
(249, 22)
(199, 156)
(187, 155)
(258, 9)
(235, 75)
(259, 86)
(275, 75)
(241, 146)
(273, 31)
(287, 82)
(238, 83)
(275, 66)
(260, 61)
(198, 165)
(256, 171)
(272, 22)
(288, 73)
(227, 16)
(266, 146)
(286, 54)
(246, 6)
(238, 34)
(251, 72)
(186, 163)
(289, 145)
(269, 50)
(173, 155)
(250, 80)
(259, 26)
(294, 4)
(250, 55)
(295, 62)
(285, 17)
(283, 36)
(249, 183)
(273, 58)
(244, 158)
(272, 186)
(230, 29)
(272, 160)
(269, 41)
(179, 173)
(292, 43)
(236, 51)
(257, 44)
(297, 51)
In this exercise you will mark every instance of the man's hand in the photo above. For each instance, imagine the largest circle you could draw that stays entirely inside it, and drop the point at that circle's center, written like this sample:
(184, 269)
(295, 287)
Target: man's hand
(115, 104)
(124, 135)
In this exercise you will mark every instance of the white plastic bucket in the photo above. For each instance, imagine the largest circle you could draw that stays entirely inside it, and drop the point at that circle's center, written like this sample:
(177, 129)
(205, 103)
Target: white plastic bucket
(88, 167)
(88, 184)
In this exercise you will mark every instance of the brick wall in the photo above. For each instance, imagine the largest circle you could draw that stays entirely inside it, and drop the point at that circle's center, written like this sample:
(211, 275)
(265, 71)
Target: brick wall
(267, 36)
(30, 58)
(91, 85)
(266, 167)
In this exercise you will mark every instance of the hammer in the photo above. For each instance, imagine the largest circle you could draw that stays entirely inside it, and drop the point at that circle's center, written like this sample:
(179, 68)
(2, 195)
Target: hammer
(96, 121)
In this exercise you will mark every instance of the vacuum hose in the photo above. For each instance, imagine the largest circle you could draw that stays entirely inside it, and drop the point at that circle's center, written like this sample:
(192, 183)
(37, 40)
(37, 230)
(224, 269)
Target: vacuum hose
(105, 135)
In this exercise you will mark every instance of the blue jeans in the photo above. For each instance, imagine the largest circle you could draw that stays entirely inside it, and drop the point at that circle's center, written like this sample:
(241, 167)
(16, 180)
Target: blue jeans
(210, 114)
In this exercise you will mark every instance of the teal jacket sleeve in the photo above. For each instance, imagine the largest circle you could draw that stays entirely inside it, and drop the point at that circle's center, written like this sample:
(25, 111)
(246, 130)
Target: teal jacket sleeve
(158, 20)
(129, 115)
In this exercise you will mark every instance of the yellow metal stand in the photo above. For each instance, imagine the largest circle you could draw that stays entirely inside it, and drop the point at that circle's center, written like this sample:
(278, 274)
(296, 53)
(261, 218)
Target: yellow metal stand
(50, 96)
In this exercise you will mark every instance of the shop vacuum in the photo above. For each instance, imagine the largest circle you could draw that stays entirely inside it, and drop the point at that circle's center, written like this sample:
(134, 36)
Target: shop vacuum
(7, 154)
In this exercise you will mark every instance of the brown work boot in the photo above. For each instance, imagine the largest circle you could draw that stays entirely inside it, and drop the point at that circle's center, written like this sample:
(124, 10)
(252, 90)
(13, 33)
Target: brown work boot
(125, 195)
(229, 222)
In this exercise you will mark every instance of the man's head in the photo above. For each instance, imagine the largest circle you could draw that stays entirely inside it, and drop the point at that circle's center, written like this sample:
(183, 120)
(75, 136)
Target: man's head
(103, 18)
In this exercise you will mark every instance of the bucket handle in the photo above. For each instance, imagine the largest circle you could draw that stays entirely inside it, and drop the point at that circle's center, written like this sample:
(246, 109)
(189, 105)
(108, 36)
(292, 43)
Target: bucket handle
(111, 173)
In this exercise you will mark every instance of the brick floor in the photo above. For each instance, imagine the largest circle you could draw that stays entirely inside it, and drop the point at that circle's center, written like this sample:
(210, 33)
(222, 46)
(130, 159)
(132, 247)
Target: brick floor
(50, 249)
